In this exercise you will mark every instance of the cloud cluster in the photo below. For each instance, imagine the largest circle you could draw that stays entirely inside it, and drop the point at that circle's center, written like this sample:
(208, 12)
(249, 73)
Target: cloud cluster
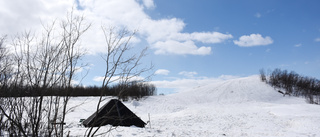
(253, 40)
(164, 35)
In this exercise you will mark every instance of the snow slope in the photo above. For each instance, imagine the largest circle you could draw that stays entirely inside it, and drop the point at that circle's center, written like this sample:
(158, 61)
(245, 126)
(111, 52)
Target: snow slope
(237, 107)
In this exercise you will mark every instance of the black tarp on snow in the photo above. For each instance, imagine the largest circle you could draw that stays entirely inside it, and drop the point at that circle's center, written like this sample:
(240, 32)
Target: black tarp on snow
(114, 113)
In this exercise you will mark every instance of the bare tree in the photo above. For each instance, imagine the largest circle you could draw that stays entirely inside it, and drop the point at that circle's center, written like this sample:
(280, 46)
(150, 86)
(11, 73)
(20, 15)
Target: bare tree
(43, 63)
(122, 65)
(5, 67)
(5, 64)
(263, 75)
(73, 27)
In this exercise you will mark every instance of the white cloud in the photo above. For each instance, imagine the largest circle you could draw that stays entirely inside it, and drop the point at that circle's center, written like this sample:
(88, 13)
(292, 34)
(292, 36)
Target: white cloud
(162, 72)
(180, 48)
(98, 78)
(298, 45)
(257, 15)
(183, 43)
(253, 40)
(160, 30)
(20, 15)
(204, 37)
(210, 37)
(188, 74)
(148, 3)
(317, 40)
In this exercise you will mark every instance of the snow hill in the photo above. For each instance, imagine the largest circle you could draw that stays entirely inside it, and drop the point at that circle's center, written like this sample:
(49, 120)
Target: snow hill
(233, 108)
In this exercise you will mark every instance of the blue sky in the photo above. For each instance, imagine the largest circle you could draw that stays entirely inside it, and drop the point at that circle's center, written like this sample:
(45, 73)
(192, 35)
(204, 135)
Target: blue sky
(191, 42)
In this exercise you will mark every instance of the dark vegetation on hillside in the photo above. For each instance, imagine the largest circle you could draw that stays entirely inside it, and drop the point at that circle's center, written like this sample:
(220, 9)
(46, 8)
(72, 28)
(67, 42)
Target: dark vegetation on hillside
(291, 83)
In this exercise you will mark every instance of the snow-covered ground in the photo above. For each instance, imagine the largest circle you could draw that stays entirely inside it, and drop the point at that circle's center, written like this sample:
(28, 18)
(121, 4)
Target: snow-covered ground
(234, 108)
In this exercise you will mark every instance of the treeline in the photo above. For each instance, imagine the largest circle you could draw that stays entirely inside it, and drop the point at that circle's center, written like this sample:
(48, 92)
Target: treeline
(294, 84)
(134, 90)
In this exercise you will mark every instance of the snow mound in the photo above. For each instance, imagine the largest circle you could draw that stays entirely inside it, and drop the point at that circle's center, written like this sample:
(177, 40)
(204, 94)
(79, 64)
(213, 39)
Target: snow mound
(234, 91)
(238, 90)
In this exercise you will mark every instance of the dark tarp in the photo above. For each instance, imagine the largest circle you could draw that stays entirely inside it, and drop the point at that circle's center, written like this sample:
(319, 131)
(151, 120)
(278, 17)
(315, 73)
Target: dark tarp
(114, 113)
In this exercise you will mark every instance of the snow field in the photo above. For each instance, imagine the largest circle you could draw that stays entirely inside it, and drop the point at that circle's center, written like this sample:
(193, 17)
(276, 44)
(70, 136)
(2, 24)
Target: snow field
(243, 107)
